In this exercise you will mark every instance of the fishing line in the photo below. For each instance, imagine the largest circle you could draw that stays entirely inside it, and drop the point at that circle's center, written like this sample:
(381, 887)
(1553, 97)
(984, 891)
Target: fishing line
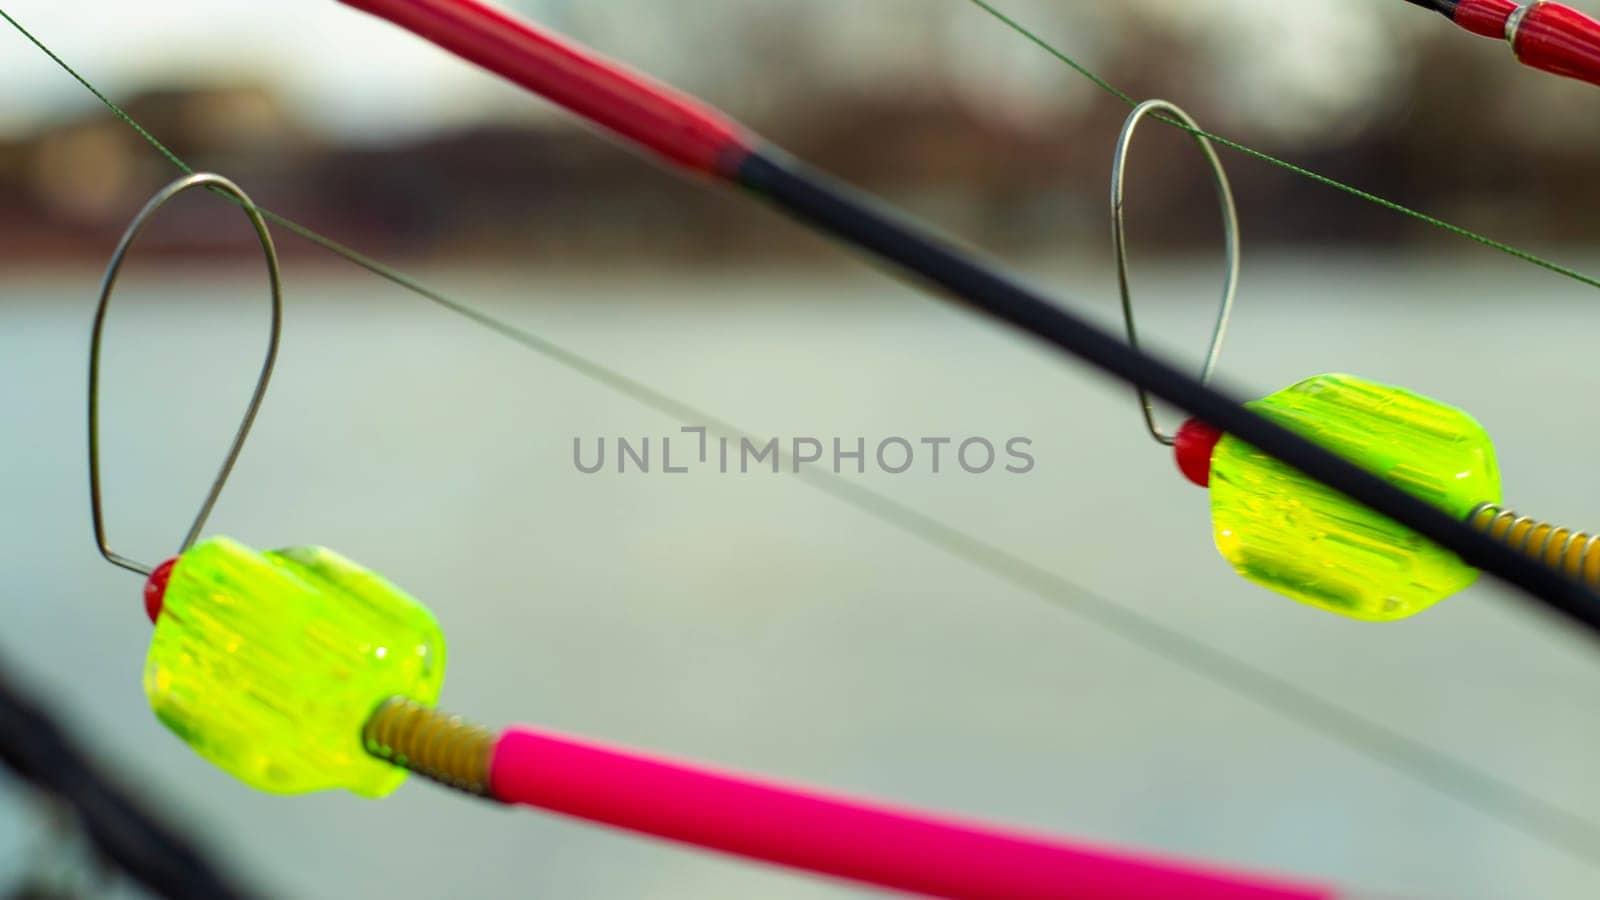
(1449, 227)
(1475, 788)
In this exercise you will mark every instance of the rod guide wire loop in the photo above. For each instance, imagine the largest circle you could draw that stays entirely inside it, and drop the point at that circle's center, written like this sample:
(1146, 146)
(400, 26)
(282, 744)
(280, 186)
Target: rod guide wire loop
(1119, 242)
(223, 187)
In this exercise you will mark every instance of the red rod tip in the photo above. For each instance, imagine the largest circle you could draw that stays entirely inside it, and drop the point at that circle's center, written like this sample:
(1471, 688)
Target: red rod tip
(1192, 447)
(1551, 37)
(1558, 39)
(155, 589)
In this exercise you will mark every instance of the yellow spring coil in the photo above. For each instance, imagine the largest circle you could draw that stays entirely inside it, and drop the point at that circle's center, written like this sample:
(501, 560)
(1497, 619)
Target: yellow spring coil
(434, 745)
(1574, 553)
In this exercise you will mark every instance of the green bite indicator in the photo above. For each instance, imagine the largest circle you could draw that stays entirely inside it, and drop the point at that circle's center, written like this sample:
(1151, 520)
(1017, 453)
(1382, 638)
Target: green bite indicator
(271, 663)
(1300, 538)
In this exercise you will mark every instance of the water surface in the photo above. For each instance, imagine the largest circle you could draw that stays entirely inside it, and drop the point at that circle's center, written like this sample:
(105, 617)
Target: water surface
(749, 620)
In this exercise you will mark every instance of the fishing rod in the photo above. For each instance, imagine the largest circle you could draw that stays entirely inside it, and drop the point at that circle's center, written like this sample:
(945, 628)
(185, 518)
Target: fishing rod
(1551, 37)
(693, 137)
(297, 670)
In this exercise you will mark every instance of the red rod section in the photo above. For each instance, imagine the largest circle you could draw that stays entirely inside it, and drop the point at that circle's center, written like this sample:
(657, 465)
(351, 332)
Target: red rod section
(1484, 17)
(1552, 37)
(1559, 39)
(674, 126)
(842, 837)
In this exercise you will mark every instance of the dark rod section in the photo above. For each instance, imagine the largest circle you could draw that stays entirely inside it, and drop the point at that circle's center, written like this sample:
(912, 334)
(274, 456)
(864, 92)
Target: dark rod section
(1447, 7)
(811, 198)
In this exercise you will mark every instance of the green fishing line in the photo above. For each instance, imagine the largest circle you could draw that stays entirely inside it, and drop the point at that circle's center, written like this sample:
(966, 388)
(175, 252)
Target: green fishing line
(1449, 227)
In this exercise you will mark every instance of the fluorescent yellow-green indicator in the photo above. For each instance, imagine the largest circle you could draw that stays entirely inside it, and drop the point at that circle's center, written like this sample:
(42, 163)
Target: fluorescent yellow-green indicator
(1285, 531)
(269, 664)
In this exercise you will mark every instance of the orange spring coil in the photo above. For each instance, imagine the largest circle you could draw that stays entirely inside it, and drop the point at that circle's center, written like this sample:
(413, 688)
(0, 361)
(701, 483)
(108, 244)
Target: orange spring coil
(1574, 553)
(440, 747)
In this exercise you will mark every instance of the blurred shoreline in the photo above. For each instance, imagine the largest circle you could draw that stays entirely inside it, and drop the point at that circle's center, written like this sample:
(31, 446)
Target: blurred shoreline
(508, 190)
(964, 126)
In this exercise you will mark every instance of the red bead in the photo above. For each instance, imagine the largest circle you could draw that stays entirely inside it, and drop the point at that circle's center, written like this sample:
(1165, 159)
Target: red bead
(155, 589)
(1192, 447)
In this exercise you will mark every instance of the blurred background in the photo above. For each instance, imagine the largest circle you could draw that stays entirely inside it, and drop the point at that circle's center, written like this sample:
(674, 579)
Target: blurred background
(749, 621)
(934, 104)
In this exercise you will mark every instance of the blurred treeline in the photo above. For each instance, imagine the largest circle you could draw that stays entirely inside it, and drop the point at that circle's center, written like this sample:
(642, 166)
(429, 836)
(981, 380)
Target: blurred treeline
(937, 106)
